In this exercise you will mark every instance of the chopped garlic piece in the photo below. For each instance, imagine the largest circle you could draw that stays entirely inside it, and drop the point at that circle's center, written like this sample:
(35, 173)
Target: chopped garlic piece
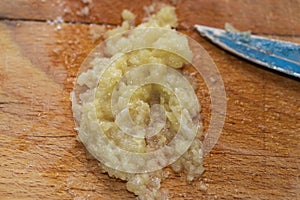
(96, 117)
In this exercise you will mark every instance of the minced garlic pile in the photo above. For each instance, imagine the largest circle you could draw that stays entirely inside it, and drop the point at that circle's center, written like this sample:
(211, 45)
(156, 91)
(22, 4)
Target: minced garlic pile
(135, 115)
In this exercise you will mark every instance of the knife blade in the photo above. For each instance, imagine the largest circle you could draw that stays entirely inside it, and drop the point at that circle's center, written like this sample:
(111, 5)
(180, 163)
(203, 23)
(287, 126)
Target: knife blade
(274, 54)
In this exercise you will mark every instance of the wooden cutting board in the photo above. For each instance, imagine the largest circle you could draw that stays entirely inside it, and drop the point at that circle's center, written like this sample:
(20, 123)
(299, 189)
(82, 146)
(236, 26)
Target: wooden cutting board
(256, 157)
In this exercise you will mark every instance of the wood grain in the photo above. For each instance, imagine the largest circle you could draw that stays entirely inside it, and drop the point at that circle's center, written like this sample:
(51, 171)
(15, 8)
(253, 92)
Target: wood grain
(259, 16)
(257, 155)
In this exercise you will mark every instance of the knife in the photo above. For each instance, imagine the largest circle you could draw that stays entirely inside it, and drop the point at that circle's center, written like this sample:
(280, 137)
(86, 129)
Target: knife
(274, 54)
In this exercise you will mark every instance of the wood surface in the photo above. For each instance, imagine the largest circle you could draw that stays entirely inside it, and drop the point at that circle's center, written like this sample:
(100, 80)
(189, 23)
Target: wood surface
(256, 157)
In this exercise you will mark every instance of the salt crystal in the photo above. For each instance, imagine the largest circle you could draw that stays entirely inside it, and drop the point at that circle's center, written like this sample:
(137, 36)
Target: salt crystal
(212, 79)
(84, 11)
(203, 187)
